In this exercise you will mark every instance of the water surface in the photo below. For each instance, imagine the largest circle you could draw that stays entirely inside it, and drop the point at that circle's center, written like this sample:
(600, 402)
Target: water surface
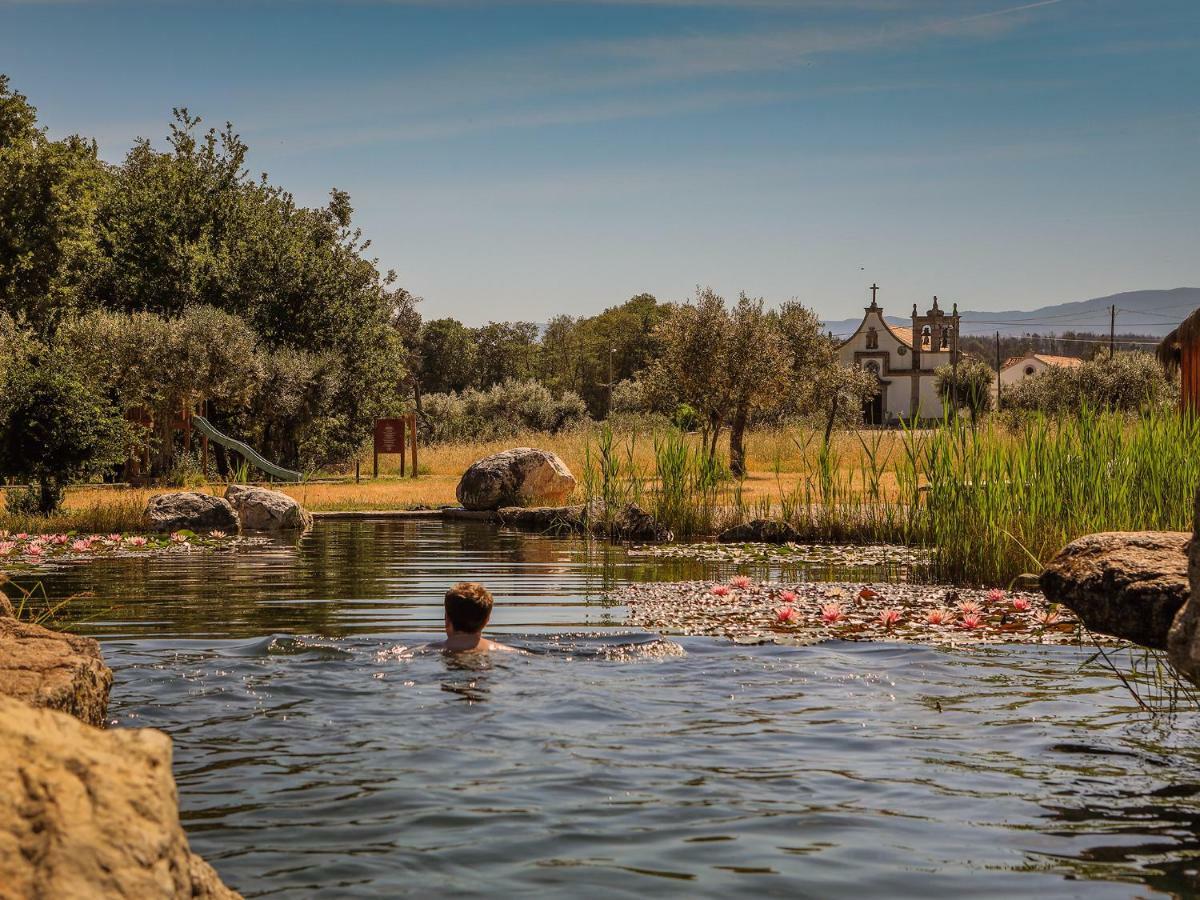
(318, 756)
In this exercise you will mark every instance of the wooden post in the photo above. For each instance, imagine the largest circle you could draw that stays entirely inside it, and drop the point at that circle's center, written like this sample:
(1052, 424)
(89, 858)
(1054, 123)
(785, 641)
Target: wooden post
(412, 418)
(403, 420)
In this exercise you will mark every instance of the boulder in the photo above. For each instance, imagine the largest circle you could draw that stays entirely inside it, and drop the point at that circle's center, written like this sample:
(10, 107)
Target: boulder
(760, 531)
(49, 669)
(190, 510)
(90, 813)
(262, 510)
(519, 477)
(1126, 584)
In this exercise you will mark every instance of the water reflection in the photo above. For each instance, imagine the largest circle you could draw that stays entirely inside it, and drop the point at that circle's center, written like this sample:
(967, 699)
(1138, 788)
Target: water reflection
(319, 755)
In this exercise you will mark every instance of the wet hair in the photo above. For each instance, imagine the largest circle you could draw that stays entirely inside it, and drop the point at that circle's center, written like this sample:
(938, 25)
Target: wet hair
(468, 606)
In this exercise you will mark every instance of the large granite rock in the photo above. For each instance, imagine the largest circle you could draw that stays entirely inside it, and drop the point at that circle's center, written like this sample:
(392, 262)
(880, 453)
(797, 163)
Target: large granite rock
(189, 510)
(760, 531)
(53, 670)
(518, 477)
(1127, 584)
(262, 510)
(90, 813)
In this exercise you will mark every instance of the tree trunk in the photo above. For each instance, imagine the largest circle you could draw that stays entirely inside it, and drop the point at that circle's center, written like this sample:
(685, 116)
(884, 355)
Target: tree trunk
(47, 496)
(737, 448)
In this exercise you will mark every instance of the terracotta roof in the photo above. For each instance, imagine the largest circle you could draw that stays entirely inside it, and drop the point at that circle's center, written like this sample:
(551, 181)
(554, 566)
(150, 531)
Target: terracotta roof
(1067, 362)
(904, 334)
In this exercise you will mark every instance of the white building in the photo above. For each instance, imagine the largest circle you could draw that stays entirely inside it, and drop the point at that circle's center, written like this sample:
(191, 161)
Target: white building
(1018, 368)
(903, 359)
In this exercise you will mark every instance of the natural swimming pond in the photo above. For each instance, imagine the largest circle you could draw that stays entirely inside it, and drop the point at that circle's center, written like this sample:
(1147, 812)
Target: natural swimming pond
(317, 757)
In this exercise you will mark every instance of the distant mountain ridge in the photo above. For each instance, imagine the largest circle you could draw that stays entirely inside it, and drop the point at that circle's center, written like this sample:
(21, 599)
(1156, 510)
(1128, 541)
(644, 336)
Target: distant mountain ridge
(1152, 313)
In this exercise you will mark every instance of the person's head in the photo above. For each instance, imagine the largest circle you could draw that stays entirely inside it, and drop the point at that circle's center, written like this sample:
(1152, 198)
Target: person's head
(468, 608)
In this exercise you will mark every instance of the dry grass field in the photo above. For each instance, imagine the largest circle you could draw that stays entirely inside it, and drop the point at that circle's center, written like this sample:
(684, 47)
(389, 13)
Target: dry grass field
(778, 461)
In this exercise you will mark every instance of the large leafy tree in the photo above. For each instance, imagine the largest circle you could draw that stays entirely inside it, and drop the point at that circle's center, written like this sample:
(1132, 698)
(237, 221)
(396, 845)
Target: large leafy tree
(49, 192)
(448, 356)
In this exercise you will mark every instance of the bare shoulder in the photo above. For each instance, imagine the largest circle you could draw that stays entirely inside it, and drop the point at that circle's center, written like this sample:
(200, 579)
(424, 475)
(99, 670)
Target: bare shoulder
(502, 648)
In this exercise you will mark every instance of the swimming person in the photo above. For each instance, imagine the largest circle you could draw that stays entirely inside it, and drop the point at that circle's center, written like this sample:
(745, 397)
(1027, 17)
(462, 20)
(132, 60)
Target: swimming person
(468, 609)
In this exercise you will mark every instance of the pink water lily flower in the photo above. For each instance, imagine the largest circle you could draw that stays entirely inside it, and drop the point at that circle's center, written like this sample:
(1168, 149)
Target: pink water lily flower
(217, 534)
(971, 620)
(969, 608)
(80, 547)
(137, 541)
(59, 539)
(741, 582)
(995, 595)
(787, 615)
(721, 590)
(7, 547)
(34, 550)
(1047, 617)
(889, 617)
(831, 613)
(178, 538)
(21, 536)
(788, 596)
(939, 616)
(114, 538)
(1020, 604)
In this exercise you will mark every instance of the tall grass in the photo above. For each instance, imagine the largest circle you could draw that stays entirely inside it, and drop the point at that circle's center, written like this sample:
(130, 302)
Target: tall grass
(991, 502)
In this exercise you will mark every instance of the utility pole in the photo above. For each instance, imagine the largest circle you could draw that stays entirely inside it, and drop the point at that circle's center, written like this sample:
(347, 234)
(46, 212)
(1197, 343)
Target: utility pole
(1112, 331)
(997, 371)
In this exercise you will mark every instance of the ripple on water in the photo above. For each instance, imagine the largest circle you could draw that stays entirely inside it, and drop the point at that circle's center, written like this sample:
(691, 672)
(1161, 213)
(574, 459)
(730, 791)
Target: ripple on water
(319, 756)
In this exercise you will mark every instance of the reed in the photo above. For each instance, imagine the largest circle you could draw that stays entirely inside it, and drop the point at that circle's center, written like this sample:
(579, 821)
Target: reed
(992, 502)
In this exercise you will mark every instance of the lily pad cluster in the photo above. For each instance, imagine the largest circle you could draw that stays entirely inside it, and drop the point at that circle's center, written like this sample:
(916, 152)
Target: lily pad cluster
(743, 609)
(792, 553)
(22, 550)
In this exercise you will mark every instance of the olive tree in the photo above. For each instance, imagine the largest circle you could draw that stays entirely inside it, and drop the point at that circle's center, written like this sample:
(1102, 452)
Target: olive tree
(969, 385)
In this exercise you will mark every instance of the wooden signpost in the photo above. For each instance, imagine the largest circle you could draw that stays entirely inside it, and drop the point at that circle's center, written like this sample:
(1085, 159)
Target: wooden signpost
(391, 437)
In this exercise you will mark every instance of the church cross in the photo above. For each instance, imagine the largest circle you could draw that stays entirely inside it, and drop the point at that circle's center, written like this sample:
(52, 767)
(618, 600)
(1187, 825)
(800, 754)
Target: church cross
(874, 288)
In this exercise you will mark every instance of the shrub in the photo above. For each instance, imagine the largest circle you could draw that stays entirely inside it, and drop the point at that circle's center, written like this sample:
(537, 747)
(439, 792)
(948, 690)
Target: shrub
(1126, 382)
(504, 410)
(55, 429)
(22, 501)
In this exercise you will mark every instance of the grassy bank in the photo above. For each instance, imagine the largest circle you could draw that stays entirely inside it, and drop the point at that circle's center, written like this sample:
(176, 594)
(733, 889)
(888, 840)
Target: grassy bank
(992, 502)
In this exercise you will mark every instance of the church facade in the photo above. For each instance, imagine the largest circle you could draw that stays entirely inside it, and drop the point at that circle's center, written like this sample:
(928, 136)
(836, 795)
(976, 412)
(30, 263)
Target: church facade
(903, 360)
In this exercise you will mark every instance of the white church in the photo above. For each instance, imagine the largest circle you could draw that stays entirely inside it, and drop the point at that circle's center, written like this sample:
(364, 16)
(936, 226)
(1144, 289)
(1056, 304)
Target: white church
(903, 360)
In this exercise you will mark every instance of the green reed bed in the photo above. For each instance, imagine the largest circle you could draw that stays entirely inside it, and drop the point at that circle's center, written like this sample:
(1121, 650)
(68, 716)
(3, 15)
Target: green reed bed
(991, 502)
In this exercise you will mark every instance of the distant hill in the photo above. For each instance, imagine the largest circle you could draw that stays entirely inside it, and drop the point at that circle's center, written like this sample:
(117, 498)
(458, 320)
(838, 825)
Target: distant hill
(1138, 312)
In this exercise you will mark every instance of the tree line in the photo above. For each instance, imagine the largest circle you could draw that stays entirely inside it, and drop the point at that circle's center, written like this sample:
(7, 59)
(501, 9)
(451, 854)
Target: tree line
(133, 293)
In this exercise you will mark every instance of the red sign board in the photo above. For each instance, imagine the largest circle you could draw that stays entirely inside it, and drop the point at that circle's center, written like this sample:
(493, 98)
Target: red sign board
(389, 435)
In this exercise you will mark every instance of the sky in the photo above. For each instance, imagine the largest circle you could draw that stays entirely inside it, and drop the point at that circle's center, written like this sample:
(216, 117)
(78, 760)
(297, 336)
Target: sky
(518, 160)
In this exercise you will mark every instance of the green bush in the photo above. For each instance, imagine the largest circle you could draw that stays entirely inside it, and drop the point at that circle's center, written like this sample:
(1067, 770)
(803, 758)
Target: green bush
(1126, 382)
(502, 411)
(22, 501)
(55, 429)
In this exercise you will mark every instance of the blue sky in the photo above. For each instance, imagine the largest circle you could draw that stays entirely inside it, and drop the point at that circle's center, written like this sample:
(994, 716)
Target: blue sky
(518, 160)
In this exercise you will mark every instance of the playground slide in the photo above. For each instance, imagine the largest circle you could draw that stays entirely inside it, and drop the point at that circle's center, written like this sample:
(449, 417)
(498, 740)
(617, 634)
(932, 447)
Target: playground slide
(205, 427)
